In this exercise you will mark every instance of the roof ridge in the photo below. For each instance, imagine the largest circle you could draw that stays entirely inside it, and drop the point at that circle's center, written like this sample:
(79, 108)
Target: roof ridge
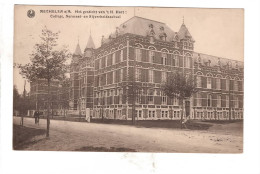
(144, 19)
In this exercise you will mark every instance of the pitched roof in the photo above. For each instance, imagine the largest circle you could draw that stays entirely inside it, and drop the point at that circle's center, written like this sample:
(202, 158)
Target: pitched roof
(90, 43)
(141, 26)
(184, 32)
(78, 50)
(214, 60)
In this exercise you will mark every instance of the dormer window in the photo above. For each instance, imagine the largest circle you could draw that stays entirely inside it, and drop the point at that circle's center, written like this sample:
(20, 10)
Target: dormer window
(209, 62)
(150, 26)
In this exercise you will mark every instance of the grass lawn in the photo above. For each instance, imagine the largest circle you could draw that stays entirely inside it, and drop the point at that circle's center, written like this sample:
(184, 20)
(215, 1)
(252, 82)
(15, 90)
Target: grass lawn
(22, 135)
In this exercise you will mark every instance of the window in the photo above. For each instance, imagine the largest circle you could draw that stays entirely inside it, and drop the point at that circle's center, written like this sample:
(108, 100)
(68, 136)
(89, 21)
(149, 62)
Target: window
(209, 100)
(120, 93)
(227, 84)
(164, 74)
(138, 54)
(164, 99)
(153, 114)
(209, 82)
(164, 58)
(121, 55)
(138, 74)
(185, 45)
(114, 76)
(218, 83)
(162, 114)
(199, 99)
(140, 114)
(188, 61)
(175, 101)
(175, 61)
(166, 114)
(138, 96)
(151, 57)
(150, 114)
(227, 101)
(106, 61)
(235, 85)
(113, 58)
(121, 75)
(219, 101)
(150, 96)
(151, 76)
(198, 81)
(236, 101)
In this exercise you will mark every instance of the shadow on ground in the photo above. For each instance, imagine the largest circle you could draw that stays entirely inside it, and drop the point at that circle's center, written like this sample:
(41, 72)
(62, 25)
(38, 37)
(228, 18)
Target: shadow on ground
(22, 136)
(104, 149)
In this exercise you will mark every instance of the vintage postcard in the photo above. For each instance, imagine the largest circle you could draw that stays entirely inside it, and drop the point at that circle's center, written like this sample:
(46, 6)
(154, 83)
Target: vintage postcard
(128, 79)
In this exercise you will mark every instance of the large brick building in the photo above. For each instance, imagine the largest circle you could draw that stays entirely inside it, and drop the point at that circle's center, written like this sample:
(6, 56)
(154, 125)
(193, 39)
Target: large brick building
(141, 53)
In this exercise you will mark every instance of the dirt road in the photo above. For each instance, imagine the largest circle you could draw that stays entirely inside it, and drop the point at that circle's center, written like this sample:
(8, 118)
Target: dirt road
(69, 136)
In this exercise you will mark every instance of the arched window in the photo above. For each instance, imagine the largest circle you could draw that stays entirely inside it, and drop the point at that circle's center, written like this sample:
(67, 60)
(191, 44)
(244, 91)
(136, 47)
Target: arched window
(188, 61)
(175, 60)
(209, 99)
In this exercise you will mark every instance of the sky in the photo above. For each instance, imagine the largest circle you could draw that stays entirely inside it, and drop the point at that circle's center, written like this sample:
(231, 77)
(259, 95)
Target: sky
(218, 32)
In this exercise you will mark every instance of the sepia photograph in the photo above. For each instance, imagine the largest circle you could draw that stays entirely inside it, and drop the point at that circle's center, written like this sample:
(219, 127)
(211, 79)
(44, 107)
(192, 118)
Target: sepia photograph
(128, 79)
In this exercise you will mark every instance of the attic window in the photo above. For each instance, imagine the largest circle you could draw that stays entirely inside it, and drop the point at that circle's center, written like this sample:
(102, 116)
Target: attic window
(124, 26)
(209, 62)
(150, 25)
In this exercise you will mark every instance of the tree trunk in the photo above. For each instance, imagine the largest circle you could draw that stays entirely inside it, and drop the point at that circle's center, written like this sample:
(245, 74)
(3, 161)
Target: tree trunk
(48, 110)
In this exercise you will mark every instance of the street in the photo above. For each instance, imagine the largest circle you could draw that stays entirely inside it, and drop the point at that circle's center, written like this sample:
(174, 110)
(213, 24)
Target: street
(69, 136)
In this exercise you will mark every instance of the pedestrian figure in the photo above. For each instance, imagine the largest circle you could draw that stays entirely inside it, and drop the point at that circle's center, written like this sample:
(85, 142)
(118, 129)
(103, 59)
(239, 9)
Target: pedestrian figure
(185, 120)
(38, 117)
(35, 117)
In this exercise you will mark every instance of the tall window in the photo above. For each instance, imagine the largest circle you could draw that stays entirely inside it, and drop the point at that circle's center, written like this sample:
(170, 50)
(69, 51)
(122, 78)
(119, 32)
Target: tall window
(199, 99)
(121, 55)
(106, 61)
(235, 85)
(151, 76)
(227, 84)
(164, 58)
(151, 56)
(113, 58)
(227, 101)
(236, 101)
(138, 54)
(114, 76)
(209, 82)
(175, 101)
(209, 100)
(164, 76)
(138, 74)
(218, 83)
(112, 96)
(199, 81)
(120, 93)
(121, 75)
(138, 96)
(175, 61)
(188, 61)
(219, 101)
(164, 99)
(150, 96)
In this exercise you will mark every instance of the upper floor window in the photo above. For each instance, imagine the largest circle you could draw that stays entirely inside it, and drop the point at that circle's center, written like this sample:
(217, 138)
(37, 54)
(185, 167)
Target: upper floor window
(151, 76)
(151, 56)
(113, 58)
(121, 75)
(175, 101)
(209, 82)
(188, 61)
(218, 100)
(138, 74)
(209, 103)
(235, 85)
(227, 84)
(150, 96)
(164, 76)
(236, 101)
(218, 83)
(138, 54)
(175, 60)
(227, 101)
(164, 99)
(121, 55)
(199, 82)
(199, 99)
(164, 58)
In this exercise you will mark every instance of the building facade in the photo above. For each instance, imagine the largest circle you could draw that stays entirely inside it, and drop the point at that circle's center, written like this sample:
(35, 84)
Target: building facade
(126, 74)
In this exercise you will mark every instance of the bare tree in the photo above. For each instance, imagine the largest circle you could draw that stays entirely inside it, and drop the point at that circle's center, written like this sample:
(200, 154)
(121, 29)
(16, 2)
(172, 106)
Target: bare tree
(180, 86)
(46, 63)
